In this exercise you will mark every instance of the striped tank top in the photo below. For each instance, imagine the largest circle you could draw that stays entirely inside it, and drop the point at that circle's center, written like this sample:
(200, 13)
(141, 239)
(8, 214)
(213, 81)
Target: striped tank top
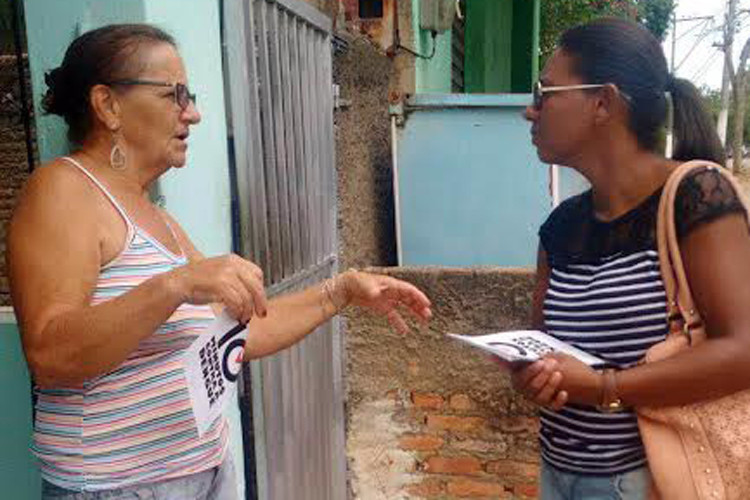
(606, 296)
(134, 424)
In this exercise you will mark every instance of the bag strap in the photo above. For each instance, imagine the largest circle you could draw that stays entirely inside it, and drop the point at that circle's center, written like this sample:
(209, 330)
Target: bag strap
(681, 308)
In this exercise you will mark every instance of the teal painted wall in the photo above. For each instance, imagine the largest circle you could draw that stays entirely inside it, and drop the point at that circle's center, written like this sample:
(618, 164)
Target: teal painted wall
(19, 475)
(488, 37)
(50, 27)
(471, 189)
(198, 195)
(432, 76)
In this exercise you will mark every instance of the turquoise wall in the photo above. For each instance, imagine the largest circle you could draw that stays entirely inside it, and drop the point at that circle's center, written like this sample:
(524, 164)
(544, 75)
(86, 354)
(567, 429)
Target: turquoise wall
(432, 76)
(198, 195)
(471, 189)
(501, 43)
(19, 475)
(50, 27)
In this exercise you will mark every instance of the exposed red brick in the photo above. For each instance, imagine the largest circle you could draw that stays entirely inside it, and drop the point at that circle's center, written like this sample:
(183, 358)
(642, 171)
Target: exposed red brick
(452, 423)
(427, 401)
(473, 488)
(510, 468)
(420, 442)
(428, 488)
(479, 446)
(461, 402)
(469, 466)
(527, 490)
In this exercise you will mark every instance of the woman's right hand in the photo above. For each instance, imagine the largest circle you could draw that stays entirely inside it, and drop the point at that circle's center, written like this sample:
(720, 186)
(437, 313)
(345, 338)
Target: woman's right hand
(229, 279)
(540, 382)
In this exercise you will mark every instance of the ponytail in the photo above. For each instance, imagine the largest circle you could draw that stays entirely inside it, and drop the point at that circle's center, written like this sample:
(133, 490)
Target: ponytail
(625, 53)
(695, 136)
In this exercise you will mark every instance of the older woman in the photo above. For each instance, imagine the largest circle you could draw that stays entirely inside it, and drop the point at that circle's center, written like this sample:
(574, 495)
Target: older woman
(600, 108)
(109, 291)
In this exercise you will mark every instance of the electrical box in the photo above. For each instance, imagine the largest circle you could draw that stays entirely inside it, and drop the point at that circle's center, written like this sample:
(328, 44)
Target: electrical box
(436, 15)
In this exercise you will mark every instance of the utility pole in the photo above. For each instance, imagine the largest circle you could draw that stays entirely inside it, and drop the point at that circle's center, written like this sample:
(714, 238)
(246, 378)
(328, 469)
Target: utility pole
(674, 39)
(730, 24)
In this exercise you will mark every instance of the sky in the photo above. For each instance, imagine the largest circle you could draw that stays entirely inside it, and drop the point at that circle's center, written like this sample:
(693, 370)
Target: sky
(697, 58)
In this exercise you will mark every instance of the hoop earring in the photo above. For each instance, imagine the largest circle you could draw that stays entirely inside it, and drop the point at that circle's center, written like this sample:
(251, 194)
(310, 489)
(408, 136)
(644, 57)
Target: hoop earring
(117, 157)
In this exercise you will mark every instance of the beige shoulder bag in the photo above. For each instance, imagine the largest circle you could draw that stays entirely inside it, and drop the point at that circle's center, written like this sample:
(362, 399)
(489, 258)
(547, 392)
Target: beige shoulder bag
(699, 451)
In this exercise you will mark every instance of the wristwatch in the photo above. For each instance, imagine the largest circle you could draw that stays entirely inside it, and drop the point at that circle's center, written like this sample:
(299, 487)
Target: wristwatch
(610, 403)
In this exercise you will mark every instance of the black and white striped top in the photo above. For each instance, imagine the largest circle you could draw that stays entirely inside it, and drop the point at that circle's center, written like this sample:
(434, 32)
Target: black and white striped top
(606, 296)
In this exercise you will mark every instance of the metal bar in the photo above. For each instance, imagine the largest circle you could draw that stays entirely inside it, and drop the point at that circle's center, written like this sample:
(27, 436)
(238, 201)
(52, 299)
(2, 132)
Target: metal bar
(329, 143)
(307, 12)
(304, 110)
(317, 190)
(322, 145)
(310, 144)
(287, 78)
(295, 280)
(248, 145)
(288, 407)
(444, 101)
(338, 430)
(299, 144)
(277, 97)
(274, 271)
(262, 467)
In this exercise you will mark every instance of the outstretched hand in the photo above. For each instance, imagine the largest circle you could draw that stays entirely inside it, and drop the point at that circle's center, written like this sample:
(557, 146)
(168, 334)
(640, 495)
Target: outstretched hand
(384, 294)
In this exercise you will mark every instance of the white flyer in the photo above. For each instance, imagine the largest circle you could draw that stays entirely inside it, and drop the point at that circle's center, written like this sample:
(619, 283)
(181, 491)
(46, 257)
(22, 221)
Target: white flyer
(212, 364)
(523, 346)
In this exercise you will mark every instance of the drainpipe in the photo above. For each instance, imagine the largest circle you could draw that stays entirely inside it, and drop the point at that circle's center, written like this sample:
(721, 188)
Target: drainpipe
(396, 110)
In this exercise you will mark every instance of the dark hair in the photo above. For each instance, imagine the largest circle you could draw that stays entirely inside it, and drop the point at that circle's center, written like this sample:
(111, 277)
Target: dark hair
(98, 56)
(624, 53)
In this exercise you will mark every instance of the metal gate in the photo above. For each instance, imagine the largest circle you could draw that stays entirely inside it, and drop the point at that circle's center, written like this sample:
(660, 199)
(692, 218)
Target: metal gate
(279, 68)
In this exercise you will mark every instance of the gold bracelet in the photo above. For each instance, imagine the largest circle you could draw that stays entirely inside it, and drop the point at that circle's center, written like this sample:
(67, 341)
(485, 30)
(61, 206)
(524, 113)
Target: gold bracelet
(610, 402)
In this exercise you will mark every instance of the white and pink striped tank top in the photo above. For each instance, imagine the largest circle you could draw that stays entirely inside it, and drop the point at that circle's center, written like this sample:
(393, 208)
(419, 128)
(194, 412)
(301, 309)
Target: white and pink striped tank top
(134, 424)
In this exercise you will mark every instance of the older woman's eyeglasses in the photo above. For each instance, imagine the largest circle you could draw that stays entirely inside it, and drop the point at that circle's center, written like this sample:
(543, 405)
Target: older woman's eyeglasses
(182, 95)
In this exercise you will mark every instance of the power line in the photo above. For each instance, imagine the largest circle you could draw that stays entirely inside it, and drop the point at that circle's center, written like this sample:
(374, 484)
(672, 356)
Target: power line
(697, 25)
(700, 38)
(710, 60)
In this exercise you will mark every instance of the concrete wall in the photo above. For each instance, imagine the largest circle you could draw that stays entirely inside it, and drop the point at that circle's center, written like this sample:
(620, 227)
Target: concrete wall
(430, 418)
(363, 157)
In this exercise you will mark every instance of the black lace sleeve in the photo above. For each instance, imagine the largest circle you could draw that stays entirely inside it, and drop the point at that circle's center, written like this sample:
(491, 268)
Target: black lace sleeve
(561, 234)
(704, 196)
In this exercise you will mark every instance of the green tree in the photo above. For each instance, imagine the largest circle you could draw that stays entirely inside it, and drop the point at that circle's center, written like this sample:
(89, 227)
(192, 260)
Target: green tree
(712, 99)
(560, 15)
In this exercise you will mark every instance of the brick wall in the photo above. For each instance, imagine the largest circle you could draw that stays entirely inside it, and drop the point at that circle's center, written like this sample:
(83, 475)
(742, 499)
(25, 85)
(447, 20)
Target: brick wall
(430, 418)
(13, 160)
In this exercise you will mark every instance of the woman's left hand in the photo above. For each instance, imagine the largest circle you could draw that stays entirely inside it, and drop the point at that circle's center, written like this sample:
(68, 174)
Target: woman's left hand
(383, 295)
